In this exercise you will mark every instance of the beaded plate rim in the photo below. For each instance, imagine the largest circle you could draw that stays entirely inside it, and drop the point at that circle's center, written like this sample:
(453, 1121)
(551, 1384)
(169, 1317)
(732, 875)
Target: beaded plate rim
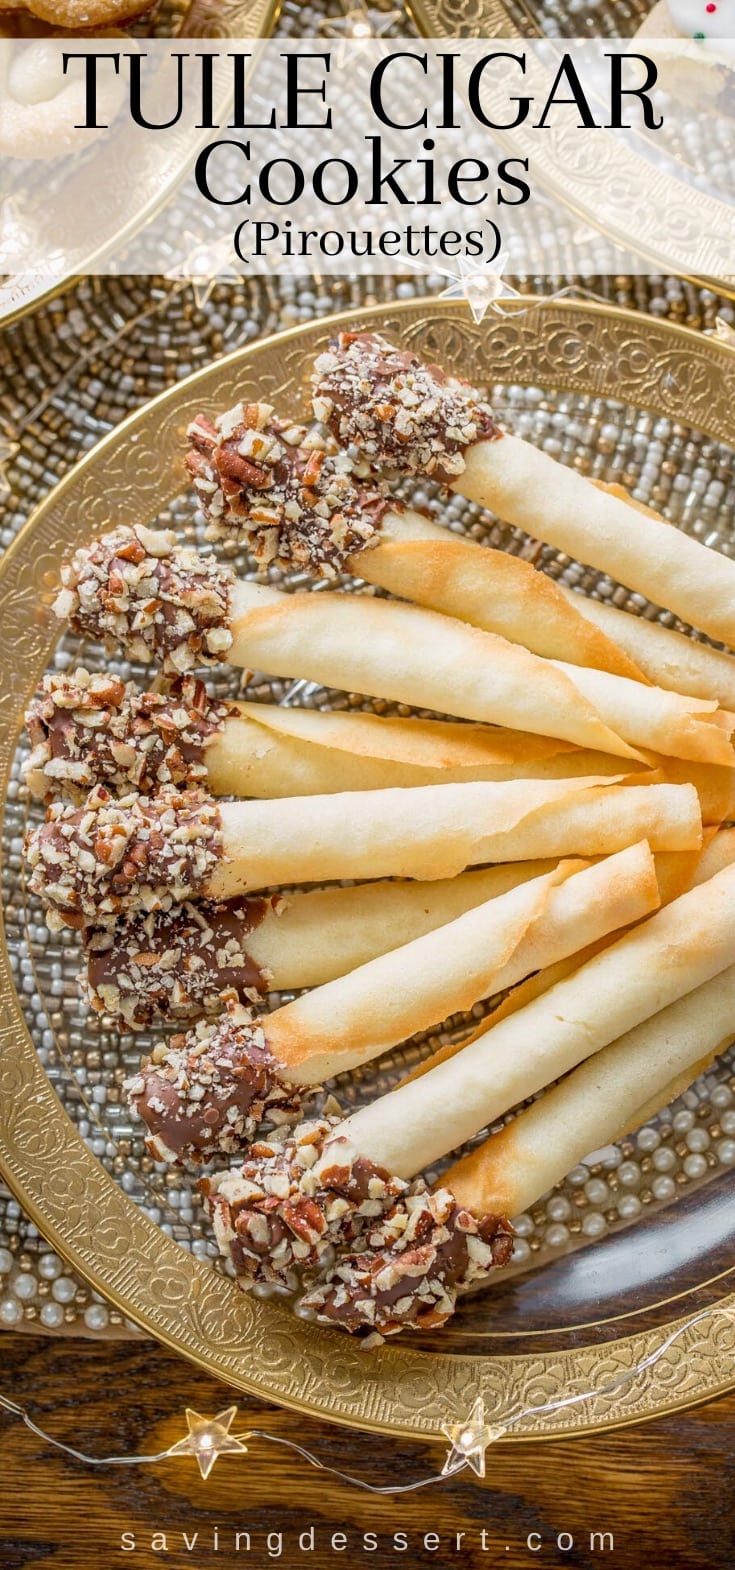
(260, 1346)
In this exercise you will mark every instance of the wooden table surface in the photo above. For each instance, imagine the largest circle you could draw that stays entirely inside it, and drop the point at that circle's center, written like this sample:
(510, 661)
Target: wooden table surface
(664, 1490)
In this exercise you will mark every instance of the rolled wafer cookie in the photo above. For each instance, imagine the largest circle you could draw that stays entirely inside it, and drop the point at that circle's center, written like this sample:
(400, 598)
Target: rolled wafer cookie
(287, 517)
(285, 501)
(334, 1028)
(401, 412)
(141, 591)
(89, 730)
(586, 1110)
(111, 858)
(667, 658)
(390, 1278)
(179, 964)
(407, 1266)
(673, 952)
(265, 483)
(676, 874)
(592, 900)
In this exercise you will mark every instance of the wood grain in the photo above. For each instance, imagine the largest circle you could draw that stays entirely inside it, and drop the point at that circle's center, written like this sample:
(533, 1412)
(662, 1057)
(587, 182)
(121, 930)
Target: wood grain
(664, 1490)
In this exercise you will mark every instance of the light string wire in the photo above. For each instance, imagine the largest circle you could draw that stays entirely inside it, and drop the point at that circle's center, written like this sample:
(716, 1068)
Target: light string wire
(500, 1427)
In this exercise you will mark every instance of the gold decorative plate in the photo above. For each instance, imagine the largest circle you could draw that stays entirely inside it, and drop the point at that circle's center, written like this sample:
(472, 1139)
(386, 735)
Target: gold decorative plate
(584, 363)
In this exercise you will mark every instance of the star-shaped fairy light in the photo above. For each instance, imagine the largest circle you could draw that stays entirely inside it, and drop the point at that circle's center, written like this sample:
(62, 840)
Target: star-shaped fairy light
(209, 1438)
(469, 1441)
(360, 25)
(203, 265)
(723, 332)
(480, 285)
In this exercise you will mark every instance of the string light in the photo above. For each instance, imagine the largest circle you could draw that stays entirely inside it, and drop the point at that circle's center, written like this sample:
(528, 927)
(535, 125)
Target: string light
(361, 24)
(210, 1437)
(480, 286)
(469, 1441)
(205, 262)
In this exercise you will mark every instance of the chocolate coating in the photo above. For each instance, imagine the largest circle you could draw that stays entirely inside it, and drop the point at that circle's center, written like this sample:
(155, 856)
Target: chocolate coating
(176, 964)
(208, 1091)
(293, 1200)
(94, 863)
(411, 1266)
(89, 730)
(137, 589)
(267, 485)
(397, 410)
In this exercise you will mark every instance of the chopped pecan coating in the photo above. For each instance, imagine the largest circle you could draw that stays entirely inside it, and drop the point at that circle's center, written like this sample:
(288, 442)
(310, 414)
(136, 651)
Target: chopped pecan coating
(176, 964)
(293, 1200)
(137, 589)
(208, 1091)
(89, 730)
(410, 1266)
(93, 863)
(270, 486)
(398, 411)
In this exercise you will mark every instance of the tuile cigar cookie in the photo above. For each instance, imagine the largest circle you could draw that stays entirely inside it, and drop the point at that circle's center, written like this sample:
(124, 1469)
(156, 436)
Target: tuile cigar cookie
(675, 874)
(416, 1248)
(386, 1283)
(407, 1130)
(180, 1092)
(587, 1109)
(283, 518)
(89, 730)
(676, 950)
(182, 963)
(141, 591)
(665, 657)
(115, 857)
(353, 1293)
(280, 518)
(412, 416)
(272, 486)
(262, 483)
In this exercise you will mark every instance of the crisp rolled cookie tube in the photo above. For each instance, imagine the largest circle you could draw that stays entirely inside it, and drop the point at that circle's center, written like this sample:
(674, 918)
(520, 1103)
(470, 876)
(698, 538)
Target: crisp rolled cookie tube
(89, 730)
(597, 899)
(335, 1028)
(284, 519)
(402, 412)
(179, 964)
(286, 502)
(676, 950)
(663, 656)
(675, 874)
(111, 858)
(385, 1284)
(313, 633)
(515, 1167)
(264, 484)
(141, 591)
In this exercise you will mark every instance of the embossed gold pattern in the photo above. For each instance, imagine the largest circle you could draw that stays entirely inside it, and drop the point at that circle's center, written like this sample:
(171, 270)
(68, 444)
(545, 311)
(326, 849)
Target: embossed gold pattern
(255, 1345)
